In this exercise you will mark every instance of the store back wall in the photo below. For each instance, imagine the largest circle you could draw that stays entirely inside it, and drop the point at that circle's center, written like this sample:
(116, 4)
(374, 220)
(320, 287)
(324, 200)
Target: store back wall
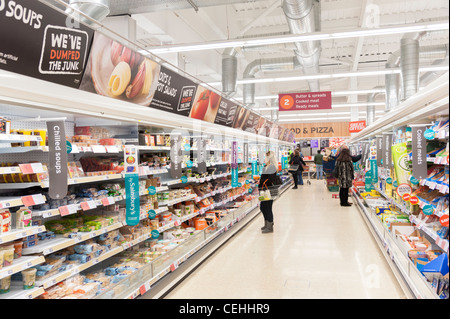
(321, 129)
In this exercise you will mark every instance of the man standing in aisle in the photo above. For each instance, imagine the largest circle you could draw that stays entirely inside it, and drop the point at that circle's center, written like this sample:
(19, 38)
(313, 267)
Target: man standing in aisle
(318, 160)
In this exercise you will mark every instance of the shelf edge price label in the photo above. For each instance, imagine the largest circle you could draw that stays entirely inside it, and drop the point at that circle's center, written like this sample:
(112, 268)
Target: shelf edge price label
(32, 168)
(428, 210)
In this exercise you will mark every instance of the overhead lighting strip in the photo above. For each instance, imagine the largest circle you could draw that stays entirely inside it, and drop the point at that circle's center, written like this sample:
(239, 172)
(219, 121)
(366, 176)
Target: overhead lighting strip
(298, 38)
(331, 75)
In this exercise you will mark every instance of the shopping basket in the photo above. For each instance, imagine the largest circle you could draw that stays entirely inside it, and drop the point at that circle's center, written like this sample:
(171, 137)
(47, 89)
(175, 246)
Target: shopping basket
(268, 192)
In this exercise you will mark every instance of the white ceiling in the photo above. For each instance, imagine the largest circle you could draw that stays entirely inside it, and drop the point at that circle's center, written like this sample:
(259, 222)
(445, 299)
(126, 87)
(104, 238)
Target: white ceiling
(177, 22)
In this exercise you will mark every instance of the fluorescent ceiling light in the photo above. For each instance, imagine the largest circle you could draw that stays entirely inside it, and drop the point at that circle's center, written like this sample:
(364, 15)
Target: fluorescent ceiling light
(332, 75)
(298, 38)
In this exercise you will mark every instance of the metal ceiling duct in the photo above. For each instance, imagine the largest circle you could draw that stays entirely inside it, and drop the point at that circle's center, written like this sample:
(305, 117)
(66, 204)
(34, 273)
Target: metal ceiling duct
(96, 9)
(409, 66)
(127, 7)
(370, 110)
(229, 71)
(301, 18)
(271, 64)
(430, 76)
(403, 86)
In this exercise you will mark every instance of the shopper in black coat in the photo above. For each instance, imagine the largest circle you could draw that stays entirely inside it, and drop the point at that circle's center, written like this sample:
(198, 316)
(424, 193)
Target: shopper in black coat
(270, 180)
(297, 160)
(345, 175)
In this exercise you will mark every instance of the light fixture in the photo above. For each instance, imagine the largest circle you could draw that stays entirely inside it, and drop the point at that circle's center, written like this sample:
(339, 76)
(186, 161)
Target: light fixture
(331, 75)
(289, 38)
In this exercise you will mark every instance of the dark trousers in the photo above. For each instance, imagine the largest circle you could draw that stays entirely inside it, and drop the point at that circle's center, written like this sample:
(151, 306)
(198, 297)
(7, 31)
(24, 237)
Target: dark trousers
(266, 209)
(343, 195)
(298, 177)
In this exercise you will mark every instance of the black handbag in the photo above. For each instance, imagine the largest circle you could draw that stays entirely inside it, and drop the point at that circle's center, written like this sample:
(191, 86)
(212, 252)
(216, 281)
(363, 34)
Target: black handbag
(335, 172)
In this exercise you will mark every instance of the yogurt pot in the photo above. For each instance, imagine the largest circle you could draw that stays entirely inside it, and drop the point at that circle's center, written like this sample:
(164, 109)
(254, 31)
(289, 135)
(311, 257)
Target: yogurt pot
(5, 284)
(29, 278)
(18, 249)
(8, 256)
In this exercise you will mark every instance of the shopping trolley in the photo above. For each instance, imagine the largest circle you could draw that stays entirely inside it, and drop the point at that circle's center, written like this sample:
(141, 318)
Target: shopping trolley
(328, 167)
(311, 170)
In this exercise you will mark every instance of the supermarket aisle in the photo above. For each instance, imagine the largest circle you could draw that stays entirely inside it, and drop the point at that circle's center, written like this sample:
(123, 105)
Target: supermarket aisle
(318, 250)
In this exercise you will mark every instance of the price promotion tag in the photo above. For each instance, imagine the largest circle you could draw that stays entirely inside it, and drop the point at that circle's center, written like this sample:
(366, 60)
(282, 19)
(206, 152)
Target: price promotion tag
(428, 210)
(33, 168)
(414, 200)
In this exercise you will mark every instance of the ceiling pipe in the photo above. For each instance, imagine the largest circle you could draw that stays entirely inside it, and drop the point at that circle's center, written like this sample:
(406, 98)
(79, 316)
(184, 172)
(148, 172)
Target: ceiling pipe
(272, 64)
(301, 18)
(370, 109)
(396, 85)
(96, 9)
(229, 72)
(430, 76)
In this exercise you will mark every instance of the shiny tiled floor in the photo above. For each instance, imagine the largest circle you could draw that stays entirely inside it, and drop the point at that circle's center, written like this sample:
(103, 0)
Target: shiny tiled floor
(318, 250)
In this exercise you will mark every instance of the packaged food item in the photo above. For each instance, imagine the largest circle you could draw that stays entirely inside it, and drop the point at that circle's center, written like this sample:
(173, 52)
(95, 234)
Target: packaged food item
(5, 220)
(29, 278)
(5, 284)
(1, 259)
(23, 218)
(18, 245)
(8, 255)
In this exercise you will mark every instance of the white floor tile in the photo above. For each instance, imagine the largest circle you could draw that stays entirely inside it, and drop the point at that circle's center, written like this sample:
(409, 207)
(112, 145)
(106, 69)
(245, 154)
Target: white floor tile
(318, 250)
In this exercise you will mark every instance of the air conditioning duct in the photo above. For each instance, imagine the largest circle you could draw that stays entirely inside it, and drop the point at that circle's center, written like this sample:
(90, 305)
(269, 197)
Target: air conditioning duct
(271, 64)
(370, 111)
(403, 86)
(95, 9)
(301, 18)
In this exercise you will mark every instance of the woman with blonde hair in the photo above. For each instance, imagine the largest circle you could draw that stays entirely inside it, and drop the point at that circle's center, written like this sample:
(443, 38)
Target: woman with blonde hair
(270, 180)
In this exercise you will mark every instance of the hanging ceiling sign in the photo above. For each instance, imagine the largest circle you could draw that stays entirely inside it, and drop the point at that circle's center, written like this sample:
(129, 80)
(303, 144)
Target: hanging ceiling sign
(419, 152)
(38, 41)
(387, 150)
(57, 153)
(305, 101)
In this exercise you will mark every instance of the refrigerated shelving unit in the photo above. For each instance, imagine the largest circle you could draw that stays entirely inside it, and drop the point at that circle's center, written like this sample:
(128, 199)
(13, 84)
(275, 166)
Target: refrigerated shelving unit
(428, 104)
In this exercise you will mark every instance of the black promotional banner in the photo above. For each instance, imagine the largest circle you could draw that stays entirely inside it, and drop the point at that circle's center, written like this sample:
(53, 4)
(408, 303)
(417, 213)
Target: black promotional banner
(226, 113)
(174, 93)
(419, 152)
(40, 42)
(57, 164)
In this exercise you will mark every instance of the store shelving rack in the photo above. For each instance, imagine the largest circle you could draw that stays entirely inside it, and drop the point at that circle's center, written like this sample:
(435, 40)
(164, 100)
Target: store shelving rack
(431, 102)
